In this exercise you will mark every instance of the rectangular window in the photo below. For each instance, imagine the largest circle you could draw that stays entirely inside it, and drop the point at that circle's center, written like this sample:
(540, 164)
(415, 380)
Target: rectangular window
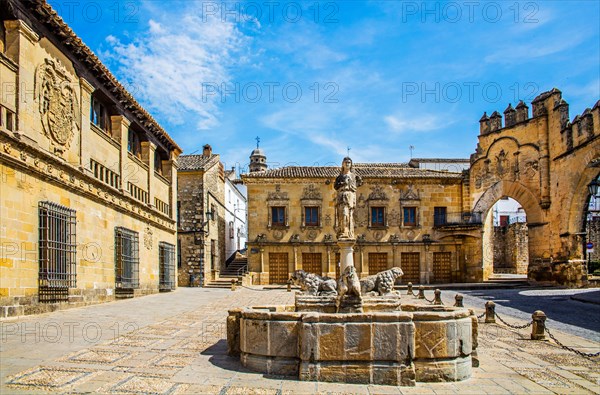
(278, 216)
(410, 216)
(10, 120)
(166, 261)
(133, 143)
(377, 216)
(127, 259)
(57, 252)
(178, 255)
(311, 216)
(439, 216)
(504, 219)
(99, 115)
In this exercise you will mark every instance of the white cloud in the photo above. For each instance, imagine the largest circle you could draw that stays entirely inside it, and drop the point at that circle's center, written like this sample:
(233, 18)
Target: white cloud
(414, 123)
(172, 65)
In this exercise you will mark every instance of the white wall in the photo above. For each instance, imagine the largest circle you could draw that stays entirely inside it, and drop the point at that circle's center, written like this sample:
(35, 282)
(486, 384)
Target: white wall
(236, 230)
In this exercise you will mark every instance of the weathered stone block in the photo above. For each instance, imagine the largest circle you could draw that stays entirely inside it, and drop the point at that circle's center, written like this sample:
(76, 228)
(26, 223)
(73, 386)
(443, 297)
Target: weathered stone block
(358, 342)
(283, 338)
(443, 370)
(254, 337)
(331, 342)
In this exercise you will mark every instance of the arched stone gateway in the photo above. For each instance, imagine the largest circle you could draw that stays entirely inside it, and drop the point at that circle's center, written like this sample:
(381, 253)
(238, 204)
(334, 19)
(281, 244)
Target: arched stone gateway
(536, 222)
(545, 162)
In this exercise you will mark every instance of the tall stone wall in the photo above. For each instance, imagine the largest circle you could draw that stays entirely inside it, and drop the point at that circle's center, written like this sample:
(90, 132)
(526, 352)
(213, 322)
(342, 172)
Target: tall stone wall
(511, 248)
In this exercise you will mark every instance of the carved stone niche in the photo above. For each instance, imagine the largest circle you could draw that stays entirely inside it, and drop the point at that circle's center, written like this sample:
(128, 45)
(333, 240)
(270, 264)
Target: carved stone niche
(58, 104)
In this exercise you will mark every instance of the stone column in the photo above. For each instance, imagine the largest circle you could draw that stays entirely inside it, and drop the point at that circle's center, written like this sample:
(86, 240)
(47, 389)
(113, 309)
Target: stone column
(86, 91)
(346, 253)
(120, 129)
(148, 152)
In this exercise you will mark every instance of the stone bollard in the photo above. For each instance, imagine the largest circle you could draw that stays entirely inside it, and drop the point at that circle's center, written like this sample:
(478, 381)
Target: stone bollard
(289, 285)
(539, 325)
(437, 299)
(233, 284)
(490, 312)
(409, 290)
(421, 292)
(474, 338)
(458, 300)
(233, 332)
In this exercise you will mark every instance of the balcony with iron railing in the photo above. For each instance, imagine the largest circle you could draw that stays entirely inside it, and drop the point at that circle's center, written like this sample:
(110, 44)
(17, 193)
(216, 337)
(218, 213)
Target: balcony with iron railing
(457, 219)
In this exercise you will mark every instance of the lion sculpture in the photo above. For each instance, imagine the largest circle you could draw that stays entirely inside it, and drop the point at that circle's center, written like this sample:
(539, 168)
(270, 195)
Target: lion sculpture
(313, 284)
(381, 283)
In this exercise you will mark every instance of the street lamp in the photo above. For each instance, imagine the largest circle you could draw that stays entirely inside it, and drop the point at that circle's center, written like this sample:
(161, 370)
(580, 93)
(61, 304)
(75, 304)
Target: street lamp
(593, 190)
(593, 187)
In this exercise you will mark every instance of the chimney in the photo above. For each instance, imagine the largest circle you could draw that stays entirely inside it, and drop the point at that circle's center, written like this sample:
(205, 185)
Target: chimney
(207, 151)
(522, 112)
(510, 116)
(495, 121)
(484, 124)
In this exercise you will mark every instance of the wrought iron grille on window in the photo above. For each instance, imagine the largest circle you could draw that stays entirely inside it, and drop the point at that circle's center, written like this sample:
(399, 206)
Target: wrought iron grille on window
(127, 261)
(57, 252)
(166, 257)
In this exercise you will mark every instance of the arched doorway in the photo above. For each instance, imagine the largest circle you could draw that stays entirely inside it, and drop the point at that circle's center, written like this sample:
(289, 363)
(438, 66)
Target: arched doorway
(527, 209)
(507, 243)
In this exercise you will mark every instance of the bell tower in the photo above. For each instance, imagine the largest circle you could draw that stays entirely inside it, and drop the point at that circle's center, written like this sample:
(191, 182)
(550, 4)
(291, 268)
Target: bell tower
(258, 159)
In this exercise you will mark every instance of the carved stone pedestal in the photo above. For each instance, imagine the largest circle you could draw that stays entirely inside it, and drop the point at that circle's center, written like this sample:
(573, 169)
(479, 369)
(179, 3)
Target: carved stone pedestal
(346, 253)
(351, 304)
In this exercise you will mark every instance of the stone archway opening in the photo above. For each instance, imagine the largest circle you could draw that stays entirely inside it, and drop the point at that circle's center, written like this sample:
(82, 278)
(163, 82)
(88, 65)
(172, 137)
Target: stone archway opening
(508, 238)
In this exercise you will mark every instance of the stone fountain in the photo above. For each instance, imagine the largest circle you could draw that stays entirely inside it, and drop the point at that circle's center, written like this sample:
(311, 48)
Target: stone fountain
(354, 331)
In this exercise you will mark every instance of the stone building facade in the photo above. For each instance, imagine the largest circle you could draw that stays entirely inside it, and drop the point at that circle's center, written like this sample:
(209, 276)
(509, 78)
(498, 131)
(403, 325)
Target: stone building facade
(409, 217)
(545, 161)
(200, 218)
(87, 186)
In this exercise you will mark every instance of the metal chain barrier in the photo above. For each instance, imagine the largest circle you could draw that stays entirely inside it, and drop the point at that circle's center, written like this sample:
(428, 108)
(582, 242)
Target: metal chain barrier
(480, 316)
(513, 326)
(429, 300)
(580, 353)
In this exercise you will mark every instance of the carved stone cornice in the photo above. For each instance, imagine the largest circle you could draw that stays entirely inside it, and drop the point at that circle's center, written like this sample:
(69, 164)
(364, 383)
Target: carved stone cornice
(29, 159)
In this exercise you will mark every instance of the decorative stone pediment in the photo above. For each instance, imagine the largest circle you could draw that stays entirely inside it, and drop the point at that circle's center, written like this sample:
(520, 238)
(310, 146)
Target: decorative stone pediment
(278, 195)
(377, 193)
(58, 105)
(410, 194)
(311, 192)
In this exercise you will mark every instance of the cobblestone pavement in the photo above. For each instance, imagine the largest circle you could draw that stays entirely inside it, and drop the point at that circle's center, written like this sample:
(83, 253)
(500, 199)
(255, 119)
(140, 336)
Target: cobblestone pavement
(175, 343)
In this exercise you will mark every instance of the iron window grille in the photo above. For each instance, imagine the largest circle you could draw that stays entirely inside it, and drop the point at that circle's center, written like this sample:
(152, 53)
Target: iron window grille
(166, 258)
(57, 252)
(127, 261)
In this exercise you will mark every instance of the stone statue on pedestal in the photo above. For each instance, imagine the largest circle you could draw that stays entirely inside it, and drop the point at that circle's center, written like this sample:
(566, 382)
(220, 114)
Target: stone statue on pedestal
(345, 185)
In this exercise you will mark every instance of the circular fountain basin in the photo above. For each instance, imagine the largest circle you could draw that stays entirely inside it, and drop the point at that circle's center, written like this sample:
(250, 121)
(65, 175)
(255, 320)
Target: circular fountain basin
(385, 344)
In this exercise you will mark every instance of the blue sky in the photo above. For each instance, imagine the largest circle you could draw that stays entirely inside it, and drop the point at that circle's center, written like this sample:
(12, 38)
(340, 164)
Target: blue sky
(312, 78)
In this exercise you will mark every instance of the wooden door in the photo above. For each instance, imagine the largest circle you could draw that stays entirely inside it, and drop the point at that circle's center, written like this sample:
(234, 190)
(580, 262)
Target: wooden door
(312, 263)
(278, 268)
(378, 262)
(442, 267)
(410, 265)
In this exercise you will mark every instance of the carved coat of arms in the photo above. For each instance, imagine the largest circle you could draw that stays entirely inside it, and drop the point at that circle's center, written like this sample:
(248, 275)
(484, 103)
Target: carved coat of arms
(58, 104)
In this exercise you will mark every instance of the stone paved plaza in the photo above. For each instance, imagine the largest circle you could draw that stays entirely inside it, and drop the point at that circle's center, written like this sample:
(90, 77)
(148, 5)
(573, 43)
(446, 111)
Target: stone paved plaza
(174, 343)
